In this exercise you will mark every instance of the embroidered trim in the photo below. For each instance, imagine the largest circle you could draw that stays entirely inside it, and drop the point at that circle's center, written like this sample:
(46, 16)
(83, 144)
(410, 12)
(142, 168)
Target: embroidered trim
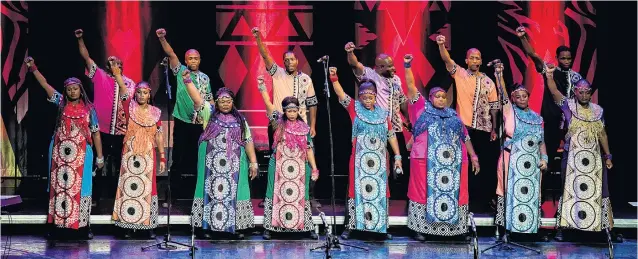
(495, 105)
(477, 93)
(378, 116)
(416, 98)
(92, 70)
(529, 117)
(273, 69)
(94, 128)
(561, 101)
(312, 101)
(55, 97)
(177, 68)
(596, 111)
(453, 70)
(346, 101)
(149, 119)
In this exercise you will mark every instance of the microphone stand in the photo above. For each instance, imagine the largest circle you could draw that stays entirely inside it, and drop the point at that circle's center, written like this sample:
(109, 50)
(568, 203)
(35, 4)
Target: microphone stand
(504, 243)
(331, 240)
(166, 243)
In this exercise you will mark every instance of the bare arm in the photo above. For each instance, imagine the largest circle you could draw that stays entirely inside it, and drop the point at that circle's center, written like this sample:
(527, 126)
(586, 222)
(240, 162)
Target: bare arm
(97, 142)
(313, 118)
(551, 84)
(394, 144)
(84, 52)
(357, 67)
(341, 95)
(270, 108)
(192, 90)
(252, 158)
(263, 50)
(604, 142)
(168, 50)
(449, 63)
(117, 72)
(475, 163)
(159, 142)
(529, 50)
(38, 76)
(409, 77)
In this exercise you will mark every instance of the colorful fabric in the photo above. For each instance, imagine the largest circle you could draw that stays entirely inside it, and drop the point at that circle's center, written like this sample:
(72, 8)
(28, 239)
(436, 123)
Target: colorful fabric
(184, 104)
(438, 183)
(136, 197)
(71, 159)
(222, 194)
(582, 201)
(369, 167)
(298, 85)
(288, 178)
(390, 95)
(524, 135)
(475, 96)
(106, 101)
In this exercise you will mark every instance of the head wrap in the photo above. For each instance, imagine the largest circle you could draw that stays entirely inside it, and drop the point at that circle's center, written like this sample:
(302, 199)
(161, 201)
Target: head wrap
(72, 81)
(367, 87)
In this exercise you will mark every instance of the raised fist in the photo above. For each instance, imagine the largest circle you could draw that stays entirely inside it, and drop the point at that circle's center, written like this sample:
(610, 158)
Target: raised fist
(116, 70)
(186, 73)
(78, 33)
(407, 58)
(440, 39)
(350, 47)
(260, 84)
(29, 61)
(549, 69)
(498, 67)
(161, 32)
(333, 71)
(260, 79)
(520, 31)
(255, 31)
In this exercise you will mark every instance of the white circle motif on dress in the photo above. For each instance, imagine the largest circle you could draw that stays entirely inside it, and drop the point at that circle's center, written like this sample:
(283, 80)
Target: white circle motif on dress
(526, 165)
(68, 151)
(524, 190)
(445, 154)
(291, 169)
(370, 163)
(372, 142)
(221, 188)
(219, 216)
(369, 188)
(529, 143)
(289, 216)
(523, 217)
(64, 205)
(221, 163)
(65, 177)
(445, 180)
(290, 192)
(584, 187)
(137, 164)
(131, 211)
(135, 186)
(445, 207)
(585, 161)
(583, 214)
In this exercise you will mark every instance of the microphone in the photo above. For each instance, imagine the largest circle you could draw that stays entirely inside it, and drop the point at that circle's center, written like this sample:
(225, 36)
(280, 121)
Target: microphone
(493, 62)
(323, 218)
(164, 61)
(322, 59)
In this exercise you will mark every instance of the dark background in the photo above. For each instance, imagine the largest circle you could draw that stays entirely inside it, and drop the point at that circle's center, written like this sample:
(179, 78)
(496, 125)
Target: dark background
(192, 25)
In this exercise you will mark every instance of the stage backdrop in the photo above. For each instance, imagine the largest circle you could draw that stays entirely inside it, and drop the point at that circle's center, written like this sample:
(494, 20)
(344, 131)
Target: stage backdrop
(603, 46)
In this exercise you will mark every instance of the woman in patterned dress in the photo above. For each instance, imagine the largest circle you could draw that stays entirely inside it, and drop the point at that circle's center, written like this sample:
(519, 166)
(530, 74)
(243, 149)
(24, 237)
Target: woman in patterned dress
(226, 160)
(368, 195)
(291, 167)
(438, 188)
(70, 154)
(585, 203)
(522, 160)
(136, 195)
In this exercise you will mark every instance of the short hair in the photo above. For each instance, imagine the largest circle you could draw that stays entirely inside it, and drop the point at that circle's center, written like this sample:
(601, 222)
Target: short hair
(561, 49)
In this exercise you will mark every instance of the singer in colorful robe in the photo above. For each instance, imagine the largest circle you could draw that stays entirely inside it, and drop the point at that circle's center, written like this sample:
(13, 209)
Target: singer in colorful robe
(136, 205)
(226, 160)
(585, 203)
(521, 161)
(70, 154)
(368, 191)
(291, 168)
(438, 190)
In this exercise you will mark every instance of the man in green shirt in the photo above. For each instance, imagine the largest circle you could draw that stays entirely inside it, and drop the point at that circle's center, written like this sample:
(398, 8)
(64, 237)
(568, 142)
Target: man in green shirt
(187, 127)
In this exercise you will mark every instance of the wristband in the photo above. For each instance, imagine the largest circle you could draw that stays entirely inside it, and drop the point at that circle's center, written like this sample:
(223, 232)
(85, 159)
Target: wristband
(544, 157)
(608, 156)
(261, 87)
(99, 160)
(254, 165)
(474, 157)
(33, 68)
(334, 79)
(187, 80)
(397, 157)
(163, 159)
(407, 65)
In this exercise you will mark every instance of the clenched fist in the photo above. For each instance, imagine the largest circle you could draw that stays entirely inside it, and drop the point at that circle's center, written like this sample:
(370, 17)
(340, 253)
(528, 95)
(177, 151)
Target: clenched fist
(407, 58)
(78, 33)
(520, 31)
(350, 47)
(255, 31)
(440, 39)
(29, 61)
(161, 32)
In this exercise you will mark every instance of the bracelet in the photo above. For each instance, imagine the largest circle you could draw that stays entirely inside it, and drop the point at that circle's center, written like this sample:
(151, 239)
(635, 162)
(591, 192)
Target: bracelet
(163, 159)
(334, 79)
(608, 156)
(544, 157)
(99, 160)
(261, 87)
(254, 165)
(474, 157)
(187, 80)
(315, 171)
(407, 65)
(397, 157)
(33, 68)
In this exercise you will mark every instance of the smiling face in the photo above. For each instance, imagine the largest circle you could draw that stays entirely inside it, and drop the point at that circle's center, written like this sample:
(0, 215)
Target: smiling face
(384, 66)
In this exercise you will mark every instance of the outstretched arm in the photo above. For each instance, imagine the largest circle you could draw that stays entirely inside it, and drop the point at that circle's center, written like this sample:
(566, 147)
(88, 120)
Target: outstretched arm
(357, 67)
(409, 77)
(263, 50)
(270, 108)
(84, 52)
(168, 50)
(529, 50)
(498, 73)
(551, 84)
(38, 76)
(341, 95)
(449, 63)
(117, 73)
(191, 89)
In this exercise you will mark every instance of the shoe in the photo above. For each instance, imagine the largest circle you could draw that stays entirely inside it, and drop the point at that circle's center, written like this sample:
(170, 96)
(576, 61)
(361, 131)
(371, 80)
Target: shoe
(388, 236)
(89, 234)
(346, 234)
(418, 236)
(544, 238)
(313, 235)
(266, 235)
(239, 236)
(618, 238)
(559, 236)
(128, 234)
(467, 238)
(151, 234)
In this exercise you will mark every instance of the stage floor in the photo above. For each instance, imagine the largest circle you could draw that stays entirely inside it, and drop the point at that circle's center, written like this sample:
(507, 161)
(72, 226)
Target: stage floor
(255, 247)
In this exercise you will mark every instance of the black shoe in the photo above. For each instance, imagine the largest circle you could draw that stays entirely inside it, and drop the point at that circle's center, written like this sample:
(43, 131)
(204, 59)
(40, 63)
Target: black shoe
(89, 234)
(266, 235)
(388, 236)
(128, 234)
(617, 238)
(544, 238)
(467, 238)
(418, 236)
(559, 236)
(239, 236)
(313, 235)
(346, 234)
(151, 234)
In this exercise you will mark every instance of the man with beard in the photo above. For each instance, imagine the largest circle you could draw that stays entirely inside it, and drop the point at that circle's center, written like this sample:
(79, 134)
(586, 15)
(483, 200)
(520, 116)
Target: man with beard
(289, 81)
(187, 127)
(477, 105)
(565, 79)
(390, 97)
(110, 115)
